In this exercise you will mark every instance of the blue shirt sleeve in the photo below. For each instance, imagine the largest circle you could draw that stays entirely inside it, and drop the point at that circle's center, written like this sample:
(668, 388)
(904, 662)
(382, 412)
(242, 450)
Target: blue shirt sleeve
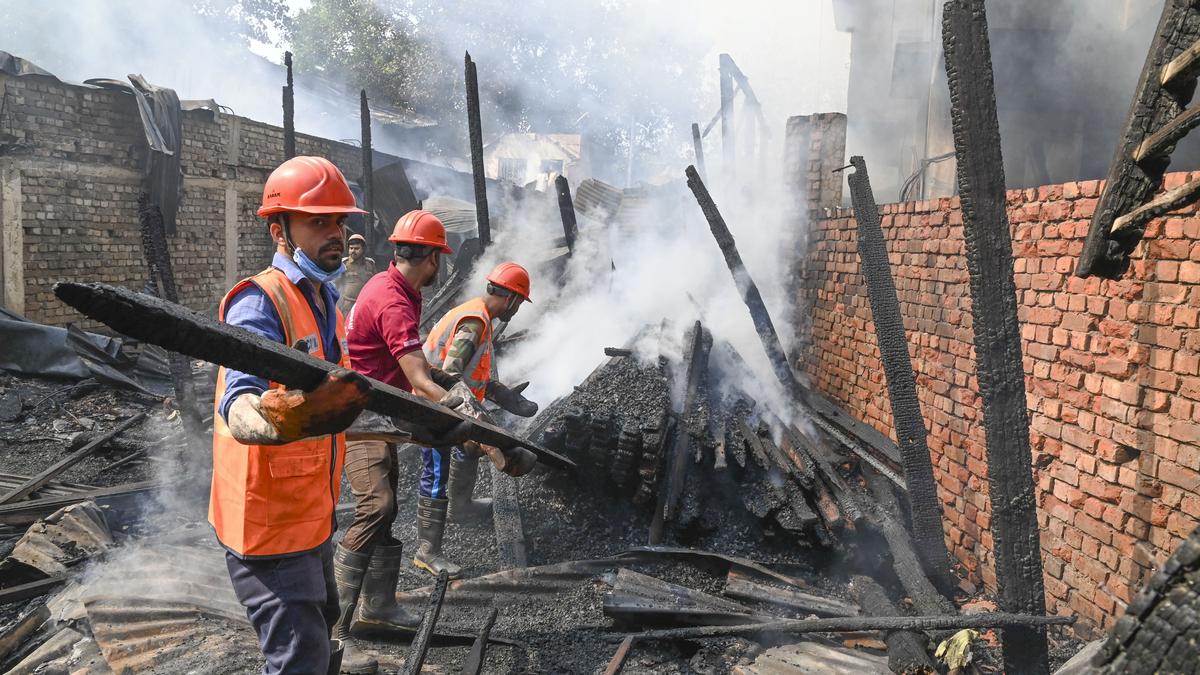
(249, 309)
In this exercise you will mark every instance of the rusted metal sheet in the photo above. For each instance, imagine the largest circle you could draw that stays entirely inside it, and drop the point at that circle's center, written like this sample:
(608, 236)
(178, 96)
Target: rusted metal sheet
(739, 587)
(64, 538)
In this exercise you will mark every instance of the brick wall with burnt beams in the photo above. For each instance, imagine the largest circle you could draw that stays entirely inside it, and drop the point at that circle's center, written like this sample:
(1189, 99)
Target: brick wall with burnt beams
(1112, 380)
(71, 163)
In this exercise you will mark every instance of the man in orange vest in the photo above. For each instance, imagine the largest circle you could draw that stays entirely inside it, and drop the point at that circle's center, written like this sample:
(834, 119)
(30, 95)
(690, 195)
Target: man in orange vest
(461, 344)
(278, 453)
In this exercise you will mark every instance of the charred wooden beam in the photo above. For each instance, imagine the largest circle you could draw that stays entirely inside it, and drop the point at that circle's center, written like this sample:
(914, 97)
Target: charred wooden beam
(158, 262)
(28, 487)
(566, 210)
(420, 643)
(745, 284)
(857, 624)
(474, 661)
(511, 551)
(368, 170)
(787, 493)
(908, 651)
(29, 590)
(927, 529)
(617, 662)
(740, 587)
(725, 562)
(698, 147)
(1156, 633)
(475, 130)
(1167, 201)
(920, 585)
(1157, 120)
(179, 329)
(825, 460)
(289, 111)
(695, 361)
(997, 331)
(117, 498)
(728, 151)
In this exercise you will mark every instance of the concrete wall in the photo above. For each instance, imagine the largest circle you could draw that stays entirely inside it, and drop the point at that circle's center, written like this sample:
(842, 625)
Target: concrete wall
(71, 176)
(1112, 376)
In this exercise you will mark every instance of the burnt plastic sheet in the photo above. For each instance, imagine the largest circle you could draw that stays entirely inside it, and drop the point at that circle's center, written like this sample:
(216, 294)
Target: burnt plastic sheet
(162, 120)
(38, 350)
(34, 349)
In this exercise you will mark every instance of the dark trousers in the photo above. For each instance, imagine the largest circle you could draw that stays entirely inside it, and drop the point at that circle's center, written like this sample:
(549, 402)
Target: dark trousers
(292, 603)
(374, 473)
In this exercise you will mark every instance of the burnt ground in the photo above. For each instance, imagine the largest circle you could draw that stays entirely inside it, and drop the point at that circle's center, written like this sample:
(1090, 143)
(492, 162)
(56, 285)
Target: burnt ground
(565, 519)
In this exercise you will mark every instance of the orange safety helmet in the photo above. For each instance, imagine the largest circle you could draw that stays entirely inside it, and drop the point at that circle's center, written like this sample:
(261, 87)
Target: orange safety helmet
(311, 185)
(421, 228)
(511, 276)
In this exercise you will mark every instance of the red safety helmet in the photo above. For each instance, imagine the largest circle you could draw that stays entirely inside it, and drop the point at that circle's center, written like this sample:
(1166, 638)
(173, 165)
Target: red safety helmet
(511, 276)
(420, 228)
(310, 185)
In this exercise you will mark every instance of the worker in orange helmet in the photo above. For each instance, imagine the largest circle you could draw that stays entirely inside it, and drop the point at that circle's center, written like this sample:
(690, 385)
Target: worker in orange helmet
(461, 345)
(384, 344)
(278, 453)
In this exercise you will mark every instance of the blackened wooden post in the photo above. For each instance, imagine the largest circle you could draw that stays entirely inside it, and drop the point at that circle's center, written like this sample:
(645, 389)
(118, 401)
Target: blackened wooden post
(698, 145)
(289, 111)
(368, 170)
(997, 332)
(745, 285)
(476, 133)
(727, 132)
(929, 538)
(566, 209)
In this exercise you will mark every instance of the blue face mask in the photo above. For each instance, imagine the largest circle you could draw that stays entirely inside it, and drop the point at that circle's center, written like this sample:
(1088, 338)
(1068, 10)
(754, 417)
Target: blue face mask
(314, 272)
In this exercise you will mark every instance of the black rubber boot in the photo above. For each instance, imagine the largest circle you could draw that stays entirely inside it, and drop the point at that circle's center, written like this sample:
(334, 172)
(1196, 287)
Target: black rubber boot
(459, 486)
(378, 608)
(431, 526)
(349, 568)
(336, 648)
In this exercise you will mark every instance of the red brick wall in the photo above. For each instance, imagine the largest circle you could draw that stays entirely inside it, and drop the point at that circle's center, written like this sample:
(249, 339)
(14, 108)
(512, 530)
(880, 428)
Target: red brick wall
(1112, 378)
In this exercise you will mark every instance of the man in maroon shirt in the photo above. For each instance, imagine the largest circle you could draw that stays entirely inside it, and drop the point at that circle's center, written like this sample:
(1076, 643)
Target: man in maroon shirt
(384, 344)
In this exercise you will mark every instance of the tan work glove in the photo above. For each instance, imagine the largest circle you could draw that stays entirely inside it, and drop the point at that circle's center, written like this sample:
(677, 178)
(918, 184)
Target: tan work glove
(282, 416)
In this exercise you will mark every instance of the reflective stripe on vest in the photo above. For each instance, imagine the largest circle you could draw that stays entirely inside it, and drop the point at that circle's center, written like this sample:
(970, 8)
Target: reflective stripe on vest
(478, 372)
(276, 499)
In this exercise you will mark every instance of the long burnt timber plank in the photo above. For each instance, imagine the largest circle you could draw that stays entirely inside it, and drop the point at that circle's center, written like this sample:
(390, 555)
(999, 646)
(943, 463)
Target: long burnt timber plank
(858, 624)
(22, 629)
(1129, 183)
(368, 169)
(908, 651)
(30, 590)
(29, 511)
(671, 492)
(420, 643)
(921, 584)
(475, 131)
(1019, 580)
(289, 111)
(35, 482)
(566, 211)
(178, 329)
(474, 661)
(927, 529)
(617, 662)
(744, 283)
(511, 550)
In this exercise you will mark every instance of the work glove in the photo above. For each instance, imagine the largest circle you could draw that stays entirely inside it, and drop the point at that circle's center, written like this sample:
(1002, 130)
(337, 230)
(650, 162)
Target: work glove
(518, 461)
(282, 416)
(511, 398)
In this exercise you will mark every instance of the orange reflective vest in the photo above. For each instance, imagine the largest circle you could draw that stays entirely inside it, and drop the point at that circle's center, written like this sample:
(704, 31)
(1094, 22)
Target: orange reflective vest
(276, 499)
(478, 372)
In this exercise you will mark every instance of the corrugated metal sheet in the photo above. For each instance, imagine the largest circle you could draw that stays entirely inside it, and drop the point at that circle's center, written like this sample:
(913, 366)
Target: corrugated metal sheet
(8, 481)
(597, 200)
(64, 538)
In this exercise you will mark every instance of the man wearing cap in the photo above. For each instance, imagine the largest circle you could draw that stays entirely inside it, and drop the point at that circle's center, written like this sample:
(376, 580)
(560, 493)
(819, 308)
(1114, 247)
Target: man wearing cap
(359, 269)
(278, 453)
(461, 345)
